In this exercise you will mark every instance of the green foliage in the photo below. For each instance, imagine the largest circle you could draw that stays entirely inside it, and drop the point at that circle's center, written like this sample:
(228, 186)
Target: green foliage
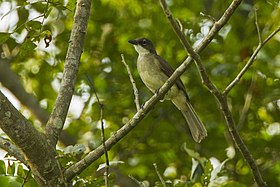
(4, 37)
(14, 174)
(160, 138)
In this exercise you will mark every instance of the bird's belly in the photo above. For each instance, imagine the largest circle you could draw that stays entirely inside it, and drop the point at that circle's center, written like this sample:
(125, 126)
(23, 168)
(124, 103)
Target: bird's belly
(151, 75)
(154, 81)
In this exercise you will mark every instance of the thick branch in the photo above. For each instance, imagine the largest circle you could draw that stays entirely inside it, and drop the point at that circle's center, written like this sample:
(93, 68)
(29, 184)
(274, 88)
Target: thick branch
(58, 115)
(78, 167)
(39, 154)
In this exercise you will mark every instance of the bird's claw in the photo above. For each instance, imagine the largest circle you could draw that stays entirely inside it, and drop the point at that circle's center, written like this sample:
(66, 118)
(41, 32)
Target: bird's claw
(157, 91)
(142, 106)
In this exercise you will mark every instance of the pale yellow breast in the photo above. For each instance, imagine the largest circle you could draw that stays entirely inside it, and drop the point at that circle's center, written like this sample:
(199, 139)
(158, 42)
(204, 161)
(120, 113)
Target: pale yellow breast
(150, 72)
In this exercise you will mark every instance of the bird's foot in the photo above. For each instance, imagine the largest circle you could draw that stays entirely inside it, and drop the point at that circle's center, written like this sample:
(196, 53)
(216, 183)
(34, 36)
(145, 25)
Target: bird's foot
(157, 91)
(142, 106)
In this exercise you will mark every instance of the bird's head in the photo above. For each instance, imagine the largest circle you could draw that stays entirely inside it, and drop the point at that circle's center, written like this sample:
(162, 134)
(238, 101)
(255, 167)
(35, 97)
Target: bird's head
(143, 45)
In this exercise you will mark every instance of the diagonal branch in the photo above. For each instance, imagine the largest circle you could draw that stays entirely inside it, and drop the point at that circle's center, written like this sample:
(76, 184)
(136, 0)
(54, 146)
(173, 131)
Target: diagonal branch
(135, 90)
(58, 115)
(250, 61)
(78, 167)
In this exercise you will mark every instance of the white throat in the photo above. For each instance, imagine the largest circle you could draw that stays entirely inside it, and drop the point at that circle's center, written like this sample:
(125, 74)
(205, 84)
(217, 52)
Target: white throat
(141, 50)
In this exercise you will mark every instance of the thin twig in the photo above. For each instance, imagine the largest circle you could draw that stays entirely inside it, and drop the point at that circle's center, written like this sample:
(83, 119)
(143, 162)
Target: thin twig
(140, 184)
(101, 106)
(257, 26)
(250, 62)
(271, 35)
(208, 16)
(135, 90)
(25, 179)
(72, 60)
(44, 15)
(159, 176)
(247, 102)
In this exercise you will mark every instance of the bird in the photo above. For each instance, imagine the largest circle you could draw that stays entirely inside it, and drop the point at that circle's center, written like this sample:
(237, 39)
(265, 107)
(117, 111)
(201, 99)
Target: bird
(154, 72)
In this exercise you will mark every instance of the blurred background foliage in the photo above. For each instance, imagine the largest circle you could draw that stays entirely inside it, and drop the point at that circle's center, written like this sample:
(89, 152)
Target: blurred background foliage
(162, 137)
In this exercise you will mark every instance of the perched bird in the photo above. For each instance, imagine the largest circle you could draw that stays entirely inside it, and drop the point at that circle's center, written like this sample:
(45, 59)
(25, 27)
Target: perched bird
(154, 72)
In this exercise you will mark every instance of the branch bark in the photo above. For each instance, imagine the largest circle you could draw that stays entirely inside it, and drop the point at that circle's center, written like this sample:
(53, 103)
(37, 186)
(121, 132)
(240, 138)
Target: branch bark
(39, 154)
(58, 115)
(135, 90)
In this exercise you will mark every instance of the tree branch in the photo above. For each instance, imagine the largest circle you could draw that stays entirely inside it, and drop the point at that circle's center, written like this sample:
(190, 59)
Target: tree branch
(8, 146)
(39, 154)
(103, 139)
(247, 102)
(257, 26)
(78, 167)
(159, 176)
(250, 61)
(58, 115)
(135, 90)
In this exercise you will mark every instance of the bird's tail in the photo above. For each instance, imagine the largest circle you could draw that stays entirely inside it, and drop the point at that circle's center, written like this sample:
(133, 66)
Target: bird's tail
(197, 128)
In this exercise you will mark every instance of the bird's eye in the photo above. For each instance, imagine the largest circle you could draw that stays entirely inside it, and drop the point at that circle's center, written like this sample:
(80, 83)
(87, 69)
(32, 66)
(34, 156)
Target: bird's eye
(144, 42)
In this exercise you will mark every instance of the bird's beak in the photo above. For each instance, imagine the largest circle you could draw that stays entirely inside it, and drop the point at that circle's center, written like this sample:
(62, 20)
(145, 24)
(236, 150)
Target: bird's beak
(134, 42)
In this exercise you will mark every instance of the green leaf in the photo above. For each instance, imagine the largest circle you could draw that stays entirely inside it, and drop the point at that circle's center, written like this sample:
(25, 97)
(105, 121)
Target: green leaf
(2, 167)
(34, 25)
(27, 47)
(233, 184)
(194, 154)
(11, 168)
(242, 168)
(71, 5)
(4, 36)
(4, 181)
(206, 176)
(39, 6)
(9, 181)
